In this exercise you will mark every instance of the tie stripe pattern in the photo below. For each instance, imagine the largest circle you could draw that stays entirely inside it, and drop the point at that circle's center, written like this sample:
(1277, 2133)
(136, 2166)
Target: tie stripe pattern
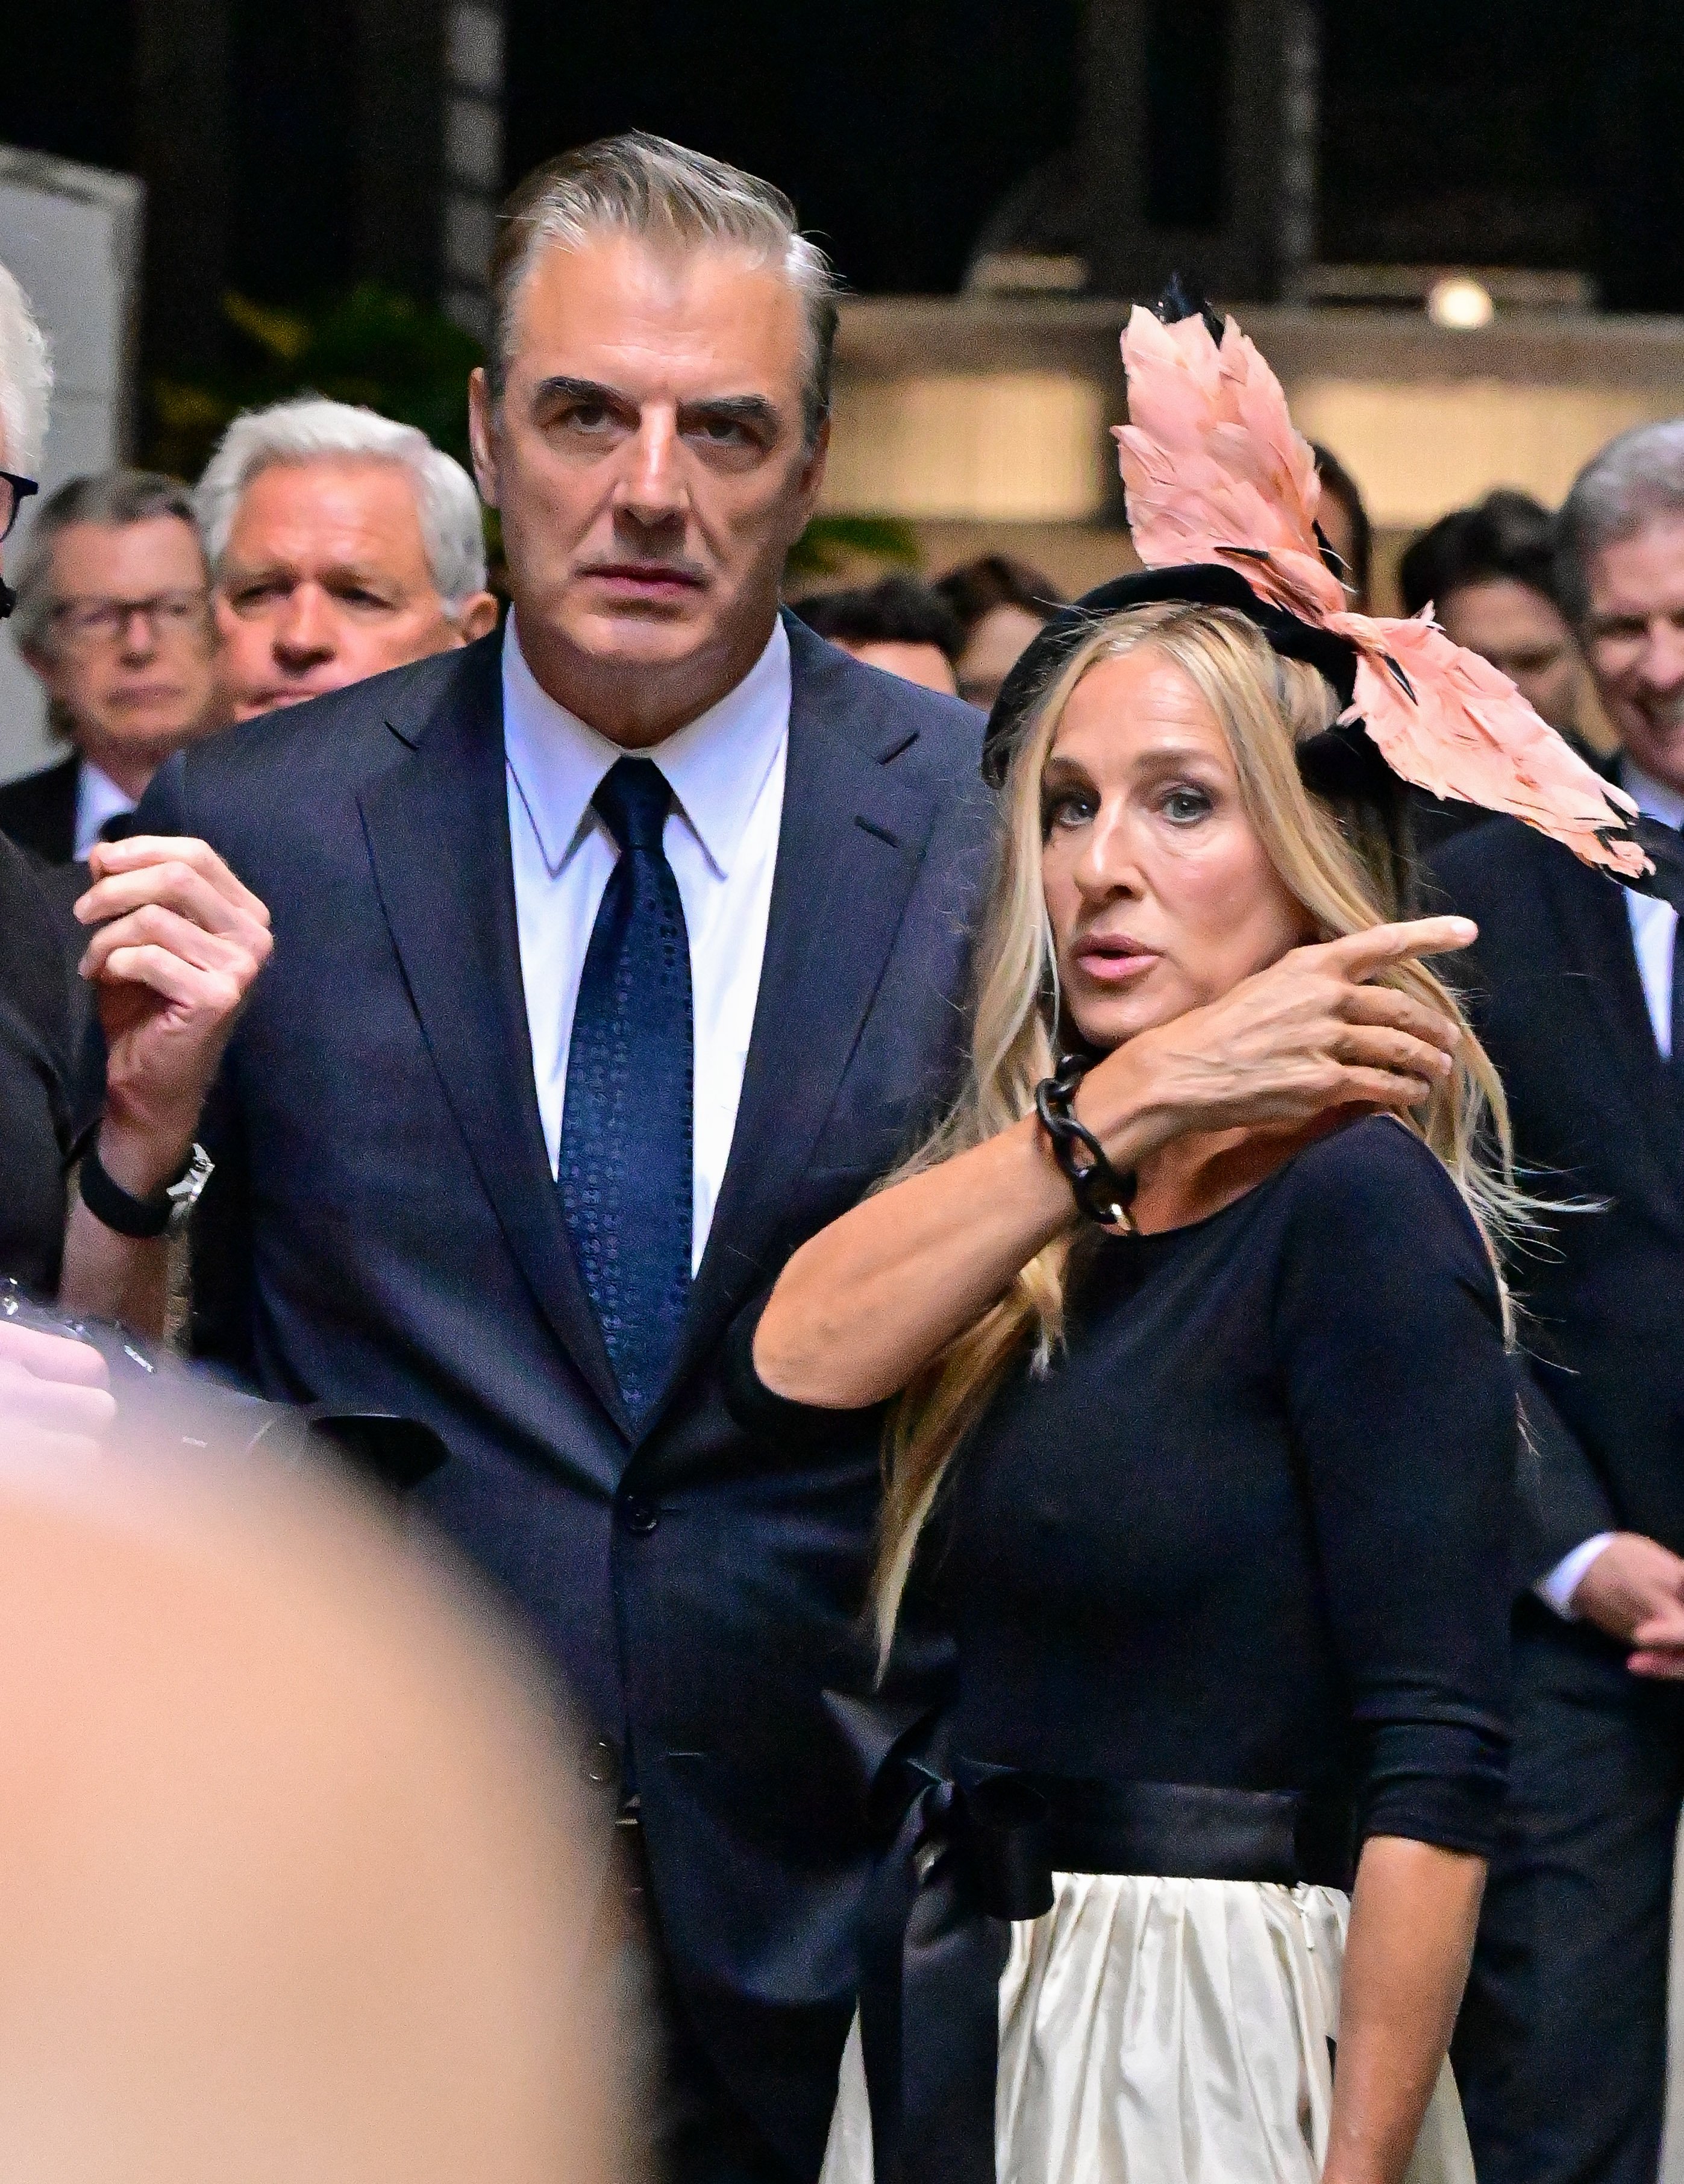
(626, 1166)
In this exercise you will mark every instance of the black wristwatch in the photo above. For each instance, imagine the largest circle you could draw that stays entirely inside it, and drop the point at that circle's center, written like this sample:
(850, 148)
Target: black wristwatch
(142, 1218)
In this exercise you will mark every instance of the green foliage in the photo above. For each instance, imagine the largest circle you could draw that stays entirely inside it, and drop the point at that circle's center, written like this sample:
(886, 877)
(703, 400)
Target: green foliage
(373, 347)
(830, 542)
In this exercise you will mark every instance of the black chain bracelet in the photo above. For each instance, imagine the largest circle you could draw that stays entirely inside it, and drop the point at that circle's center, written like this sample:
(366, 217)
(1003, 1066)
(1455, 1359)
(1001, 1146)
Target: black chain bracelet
(1100, 1192)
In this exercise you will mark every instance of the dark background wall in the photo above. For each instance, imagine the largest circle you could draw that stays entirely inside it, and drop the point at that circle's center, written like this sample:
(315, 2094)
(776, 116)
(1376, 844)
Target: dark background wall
(1530, 132)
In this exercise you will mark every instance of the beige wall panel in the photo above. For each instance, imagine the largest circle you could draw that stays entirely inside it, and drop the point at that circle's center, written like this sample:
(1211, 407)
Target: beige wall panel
(1023, 447)
(1418, 449)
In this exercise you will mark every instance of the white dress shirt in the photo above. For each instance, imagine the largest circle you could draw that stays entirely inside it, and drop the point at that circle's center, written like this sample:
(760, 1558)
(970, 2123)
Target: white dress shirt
(727, 770)
(99, 798)
(1654, 936)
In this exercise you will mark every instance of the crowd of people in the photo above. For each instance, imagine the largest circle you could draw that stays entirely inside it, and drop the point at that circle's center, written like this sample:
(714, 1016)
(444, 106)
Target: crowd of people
(1044, 1241)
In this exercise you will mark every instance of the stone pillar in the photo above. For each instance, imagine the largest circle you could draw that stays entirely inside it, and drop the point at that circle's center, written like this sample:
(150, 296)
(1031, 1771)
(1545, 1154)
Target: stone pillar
(473, 184)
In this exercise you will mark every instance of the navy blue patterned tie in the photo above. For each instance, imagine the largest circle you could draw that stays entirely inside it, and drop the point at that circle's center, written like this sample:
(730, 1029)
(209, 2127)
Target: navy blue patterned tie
(626, 1163)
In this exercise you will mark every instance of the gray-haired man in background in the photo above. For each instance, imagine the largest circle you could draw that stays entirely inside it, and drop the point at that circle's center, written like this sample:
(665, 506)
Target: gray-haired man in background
(342, 543)
(113, 616)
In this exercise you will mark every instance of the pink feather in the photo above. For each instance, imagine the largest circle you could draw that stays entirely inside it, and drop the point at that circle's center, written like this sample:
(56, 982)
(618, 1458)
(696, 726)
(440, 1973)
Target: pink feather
(1215, 471)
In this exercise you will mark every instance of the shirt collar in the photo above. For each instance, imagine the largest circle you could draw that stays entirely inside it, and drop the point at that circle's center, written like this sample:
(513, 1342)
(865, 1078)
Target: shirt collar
(1653, 798)
(99, 798)
(717, 764)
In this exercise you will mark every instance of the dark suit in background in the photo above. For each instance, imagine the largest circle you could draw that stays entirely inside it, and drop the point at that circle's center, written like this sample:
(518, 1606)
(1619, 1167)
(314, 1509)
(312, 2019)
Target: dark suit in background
(39, 811)
(1561, 2051)
(383, 1229)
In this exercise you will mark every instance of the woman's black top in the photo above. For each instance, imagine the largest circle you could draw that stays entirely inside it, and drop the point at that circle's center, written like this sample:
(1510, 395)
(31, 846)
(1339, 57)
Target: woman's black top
(1252, 1529)
(37, 1123)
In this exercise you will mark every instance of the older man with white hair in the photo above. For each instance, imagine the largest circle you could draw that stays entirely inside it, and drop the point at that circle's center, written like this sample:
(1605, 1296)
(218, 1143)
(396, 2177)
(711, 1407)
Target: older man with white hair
(342, 544)
(180, 943)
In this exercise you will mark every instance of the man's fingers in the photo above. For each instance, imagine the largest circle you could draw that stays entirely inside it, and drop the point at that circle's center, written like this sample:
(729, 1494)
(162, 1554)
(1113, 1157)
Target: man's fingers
(127, 872)
(1667, 1667)
(216, 992)
(52, 1357)
(1360, 955)
(166, 928)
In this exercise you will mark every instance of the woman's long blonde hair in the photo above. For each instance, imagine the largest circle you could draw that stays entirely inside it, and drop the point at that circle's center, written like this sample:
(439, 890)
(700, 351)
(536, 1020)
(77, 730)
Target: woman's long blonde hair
(1338, 863)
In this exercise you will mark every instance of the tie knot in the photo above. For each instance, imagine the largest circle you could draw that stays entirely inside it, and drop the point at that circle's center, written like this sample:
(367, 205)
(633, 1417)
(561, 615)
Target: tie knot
(634, 798)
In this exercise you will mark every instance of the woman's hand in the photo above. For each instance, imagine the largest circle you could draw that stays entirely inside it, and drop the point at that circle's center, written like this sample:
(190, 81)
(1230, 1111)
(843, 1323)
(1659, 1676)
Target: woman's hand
(866, 1304)
(1308, 1036)
(1412, 1916)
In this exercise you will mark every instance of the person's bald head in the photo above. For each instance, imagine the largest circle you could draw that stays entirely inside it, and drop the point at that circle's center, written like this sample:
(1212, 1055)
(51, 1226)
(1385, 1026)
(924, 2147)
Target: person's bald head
(288, 1872)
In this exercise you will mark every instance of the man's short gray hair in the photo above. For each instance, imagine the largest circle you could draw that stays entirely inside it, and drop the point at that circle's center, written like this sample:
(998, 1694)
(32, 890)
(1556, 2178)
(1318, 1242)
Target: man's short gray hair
(113, 497)
(25, 379)
(311, 429)
(651, 188)
(1635, 479)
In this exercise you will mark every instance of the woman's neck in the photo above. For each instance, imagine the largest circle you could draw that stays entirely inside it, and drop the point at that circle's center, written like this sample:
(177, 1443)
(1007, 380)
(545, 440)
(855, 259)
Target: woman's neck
(1192, 1177)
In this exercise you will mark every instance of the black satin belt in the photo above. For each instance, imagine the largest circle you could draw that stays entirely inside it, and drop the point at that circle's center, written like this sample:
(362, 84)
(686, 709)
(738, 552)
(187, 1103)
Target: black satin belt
(975, 1853)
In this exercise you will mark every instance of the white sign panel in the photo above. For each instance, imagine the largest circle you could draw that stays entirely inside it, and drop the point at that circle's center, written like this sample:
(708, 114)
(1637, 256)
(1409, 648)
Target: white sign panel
(72, 237)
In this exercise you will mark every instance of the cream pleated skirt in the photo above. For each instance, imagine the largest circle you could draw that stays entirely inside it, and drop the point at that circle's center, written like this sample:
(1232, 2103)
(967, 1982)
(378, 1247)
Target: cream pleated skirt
(1158, 2031)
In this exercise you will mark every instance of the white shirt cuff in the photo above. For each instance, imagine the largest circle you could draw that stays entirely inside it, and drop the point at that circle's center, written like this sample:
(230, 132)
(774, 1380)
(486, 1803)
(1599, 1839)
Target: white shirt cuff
(1557, 1588)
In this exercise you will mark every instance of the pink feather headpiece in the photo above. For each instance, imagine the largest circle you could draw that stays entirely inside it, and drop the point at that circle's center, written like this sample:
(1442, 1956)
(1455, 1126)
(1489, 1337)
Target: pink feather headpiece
(1215, 471)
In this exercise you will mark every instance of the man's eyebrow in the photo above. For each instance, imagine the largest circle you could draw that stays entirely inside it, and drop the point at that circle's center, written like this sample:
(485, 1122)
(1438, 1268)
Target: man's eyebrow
(560, 387)
(749, 408)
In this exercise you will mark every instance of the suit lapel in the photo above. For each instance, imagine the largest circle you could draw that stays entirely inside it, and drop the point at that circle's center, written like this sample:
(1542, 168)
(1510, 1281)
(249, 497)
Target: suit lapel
(438, 831)
(1597, 929)
(850, 844)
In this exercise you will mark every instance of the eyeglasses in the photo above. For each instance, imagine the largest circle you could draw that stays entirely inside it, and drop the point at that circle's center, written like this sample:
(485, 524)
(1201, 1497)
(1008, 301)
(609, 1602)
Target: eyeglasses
(13, 492)
(102, 622)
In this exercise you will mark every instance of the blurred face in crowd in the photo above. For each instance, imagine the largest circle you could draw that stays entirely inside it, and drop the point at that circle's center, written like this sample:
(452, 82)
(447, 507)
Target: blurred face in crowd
(1634, 640)
(992, 649)
(1525, 635)
(325, 580)
(1161, 894)
(927, 665)
(129, 657)
(649, 458)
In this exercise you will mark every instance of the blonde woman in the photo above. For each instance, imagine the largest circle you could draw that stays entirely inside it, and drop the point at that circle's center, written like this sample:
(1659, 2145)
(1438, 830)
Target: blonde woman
(1217, 1508)
(1203, 1445)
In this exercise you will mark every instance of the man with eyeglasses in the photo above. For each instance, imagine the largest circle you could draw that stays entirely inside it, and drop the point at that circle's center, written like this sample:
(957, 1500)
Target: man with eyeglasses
(113, 616)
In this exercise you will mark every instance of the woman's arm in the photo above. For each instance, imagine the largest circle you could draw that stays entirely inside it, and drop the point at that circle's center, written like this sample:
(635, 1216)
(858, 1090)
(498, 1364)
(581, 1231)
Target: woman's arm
(1412, 1916)
(863, 1305)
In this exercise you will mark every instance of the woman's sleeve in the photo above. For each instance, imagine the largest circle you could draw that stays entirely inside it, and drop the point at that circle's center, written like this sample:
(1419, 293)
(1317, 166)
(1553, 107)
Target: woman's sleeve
(1403, 1413)
(767, 1416)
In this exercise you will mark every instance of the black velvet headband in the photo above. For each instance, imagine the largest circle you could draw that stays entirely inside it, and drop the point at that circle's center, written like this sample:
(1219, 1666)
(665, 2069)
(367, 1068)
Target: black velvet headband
(1340, 762)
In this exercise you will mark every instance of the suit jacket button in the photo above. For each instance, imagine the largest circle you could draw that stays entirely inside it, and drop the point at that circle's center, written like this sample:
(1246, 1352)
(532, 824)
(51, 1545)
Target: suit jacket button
(638, 1515)
(599, 1763)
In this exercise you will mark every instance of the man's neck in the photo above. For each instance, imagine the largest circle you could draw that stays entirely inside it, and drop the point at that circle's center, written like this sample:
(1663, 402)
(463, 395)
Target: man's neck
(129, 770)
(634, 703)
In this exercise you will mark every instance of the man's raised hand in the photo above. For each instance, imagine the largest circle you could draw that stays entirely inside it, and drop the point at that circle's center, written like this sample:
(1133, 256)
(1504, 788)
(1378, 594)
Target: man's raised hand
(177, 944)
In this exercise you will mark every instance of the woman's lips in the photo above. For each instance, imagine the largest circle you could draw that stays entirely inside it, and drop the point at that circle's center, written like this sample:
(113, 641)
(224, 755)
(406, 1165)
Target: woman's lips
(1114, 963)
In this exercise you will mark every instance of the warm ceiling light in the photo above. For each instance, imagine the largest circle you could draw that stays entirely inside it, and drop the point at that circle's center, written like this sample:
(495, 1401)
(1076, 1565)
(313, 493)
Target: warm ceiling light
(1461, 302)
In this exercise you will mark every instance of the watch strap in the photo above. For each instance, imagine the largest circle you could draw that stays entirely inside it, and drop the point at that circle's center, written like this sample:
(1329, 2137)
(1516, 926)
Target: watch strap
(115, 1208)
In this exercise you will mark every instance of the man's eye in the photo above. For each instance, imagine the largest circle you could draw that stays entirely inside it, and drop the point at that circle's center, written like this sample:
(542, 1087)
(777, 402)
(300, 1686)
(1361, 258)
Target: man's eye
(353, 595)
(723, 431)
(588, 417)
